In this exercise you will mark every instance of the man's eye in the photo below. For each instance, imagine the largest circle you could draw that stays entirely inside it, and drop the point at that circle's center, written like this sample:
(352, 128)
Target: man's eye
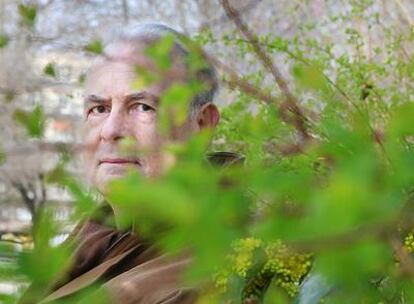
(99, 110)
(142, 107)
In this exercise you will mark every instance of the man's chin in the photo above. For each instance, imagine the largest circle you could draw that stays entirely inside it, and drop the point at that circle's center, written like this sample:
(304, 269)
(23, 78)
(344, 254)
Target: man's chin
(103, 182)
(104, 179)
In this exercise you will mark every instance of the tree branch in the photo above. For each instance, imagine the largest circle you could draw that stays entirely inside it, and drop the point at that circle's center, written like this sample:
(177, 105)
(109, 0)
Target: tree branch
(299, 120)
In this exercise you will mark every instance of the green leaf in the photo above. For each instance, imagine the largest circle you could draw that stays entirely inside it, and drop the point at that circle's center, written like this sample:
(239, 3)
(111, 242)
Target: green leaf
(309, 77)
(4, 40)
(50, 70)
(2, 157)
(174, 107)
(145, 78)
(34, 121)
(280, 44)
(94, 46)
(44, 263)
(154, 204)
(401, 123)
(355, 264)
(7, 299)
(28, 14)
(81, 79)
(160, 52)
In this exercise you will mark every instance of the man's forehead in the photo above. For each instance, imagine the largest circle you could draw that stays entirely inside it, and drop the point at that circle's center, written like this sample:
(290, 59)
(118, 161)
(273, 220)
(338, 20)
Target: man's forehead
(121, 57)
(126, 75)
(127, 51)
(110, 67)
(108, 75)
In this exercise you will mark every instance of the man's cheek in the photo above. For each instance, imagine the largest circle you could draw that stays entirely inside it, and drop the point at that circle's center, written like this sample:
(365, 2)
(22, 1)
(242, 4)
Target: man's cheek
(90, 140)
(90, 170)
(147, 143)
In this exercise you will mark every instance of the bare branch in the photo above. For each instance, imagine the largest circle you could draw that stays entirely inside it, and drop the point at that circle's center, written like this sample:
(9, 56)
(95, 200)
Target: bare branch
(220, 20)
(125, 11)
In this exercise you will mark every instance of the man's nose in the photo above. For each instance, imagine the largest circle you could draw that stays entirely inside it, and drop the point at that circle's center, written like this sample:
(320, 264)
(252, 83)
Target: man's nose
(114, 127)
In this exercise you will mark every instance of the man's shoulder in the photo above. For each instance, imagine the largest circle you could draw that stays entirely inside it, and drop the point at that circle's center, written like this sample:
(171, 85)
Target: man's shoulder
(158, 280)
(131, 272)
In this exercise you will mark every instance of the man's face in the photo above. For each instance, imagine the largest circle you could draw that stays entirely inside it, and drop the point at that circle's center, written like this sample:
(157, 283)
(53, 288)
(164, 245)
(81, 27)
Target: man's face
(115, 111)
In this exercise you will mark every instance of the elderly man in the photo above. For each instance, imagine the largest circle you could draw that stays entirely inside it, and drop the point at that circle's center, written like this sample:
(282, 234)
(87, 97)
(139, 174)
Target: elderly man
(121, 105)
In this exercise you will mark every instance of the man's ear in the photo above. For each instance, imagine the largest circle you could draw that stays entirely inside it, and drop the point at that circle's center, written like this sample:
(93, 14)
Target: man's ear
(208, 116)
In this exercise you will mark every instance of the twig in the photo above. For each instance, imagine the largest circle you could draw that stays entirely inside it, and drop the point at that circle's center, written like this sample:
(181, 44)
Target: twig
(299, 120)
(220, 20)
(302, 60)
(406, 13)
(125, 11)
(236, 81)
(244, 86)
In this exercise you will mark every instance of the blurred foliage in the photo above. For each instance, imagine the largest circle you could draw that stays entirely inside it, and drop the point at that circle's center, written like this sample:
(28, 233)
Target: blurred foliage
(50, 69)
(28, 14)
(33, 121)
(339, 205)
(4, 40)
(94, 47)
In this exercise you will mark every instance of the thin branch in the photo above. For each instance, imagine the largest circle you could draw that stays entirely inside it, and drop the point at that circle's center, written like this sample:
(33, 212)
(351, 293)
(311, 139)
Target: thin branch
(43, 191)
(125, 11)
(236, 81)
(233, 80)
(406, 12)
(222, 19)
(302, 60)
(26, 199)
(299, 120)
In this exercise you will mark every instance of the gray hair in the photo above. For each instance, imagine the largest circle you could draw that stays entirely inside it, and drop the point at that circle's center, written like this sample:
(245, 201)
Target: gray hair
(153, 32)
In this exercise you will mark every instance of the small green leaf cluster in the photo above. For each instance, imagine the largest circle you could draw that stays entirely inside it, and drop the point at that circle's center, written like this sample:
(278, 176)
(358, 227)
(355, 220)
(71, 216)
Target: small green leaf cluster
(28, 14)
(94, 47)
(34, 121)
(4, 40)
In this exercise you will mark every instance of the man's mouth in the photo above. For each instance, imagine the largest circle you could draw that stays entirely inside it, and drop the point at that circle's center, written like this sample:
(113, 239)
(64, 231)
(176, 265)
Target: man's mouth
(120, 161)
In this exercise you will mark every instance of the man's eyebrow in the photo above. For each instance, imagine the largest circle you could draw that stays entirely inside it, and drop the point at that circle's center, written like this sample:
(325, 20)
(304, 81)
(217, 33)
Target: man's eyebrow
(95, 99)
(141, 95)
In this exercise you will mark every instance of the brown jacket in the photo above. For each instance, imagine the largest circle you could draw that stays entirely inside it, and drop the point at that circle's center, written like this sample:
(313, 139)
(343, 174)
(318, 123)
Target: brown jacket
(129, 269)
